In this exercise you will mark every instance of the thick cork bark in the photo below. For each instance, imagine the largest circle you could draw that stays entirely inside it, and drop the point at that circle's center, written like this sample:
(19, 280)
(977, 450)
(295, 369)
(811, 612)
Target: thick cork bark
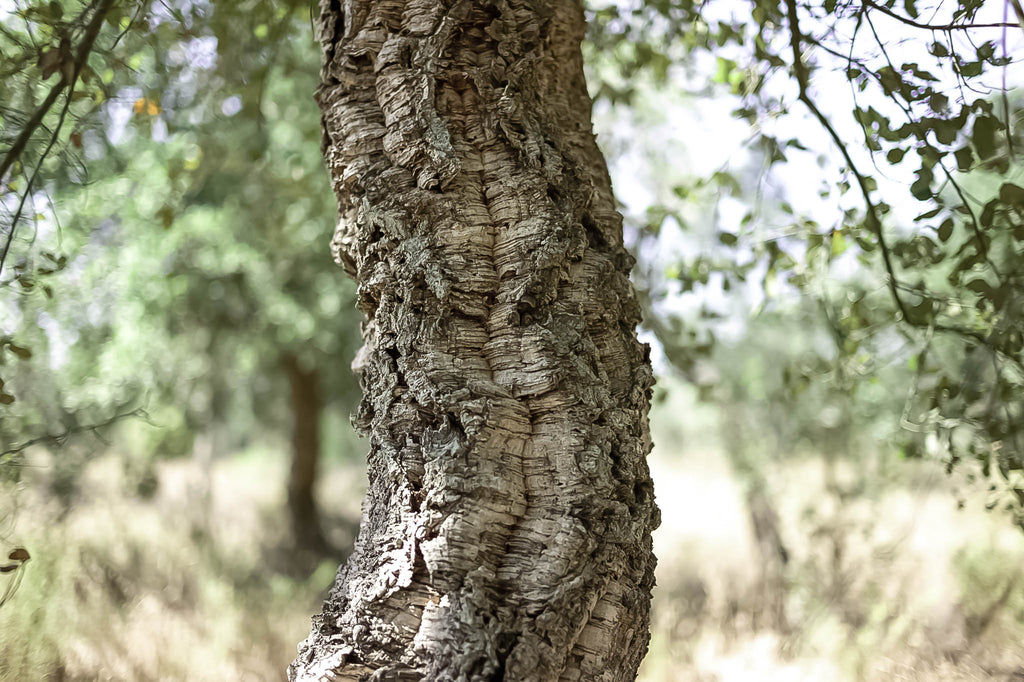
(506, 534)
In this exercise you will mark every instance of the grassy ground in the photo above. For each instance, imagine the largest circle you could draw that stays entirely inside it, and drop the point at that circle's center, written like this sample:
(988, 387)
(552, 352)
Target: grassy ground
(886, 577)
(197, 581)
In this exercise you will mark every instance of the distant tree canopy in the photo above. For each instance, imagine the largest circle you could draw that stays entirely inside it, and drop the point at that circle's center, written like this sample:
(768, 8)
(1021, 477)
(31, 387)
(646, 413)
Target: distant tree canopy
(879, 106)
(182, 207)
(193, 112)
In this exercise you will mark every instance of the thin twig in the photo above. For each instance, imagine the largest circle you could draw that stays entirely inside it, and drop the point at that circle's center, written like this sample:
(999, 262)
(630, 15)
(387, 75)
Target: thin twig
(930, 27)
(923, 136)
(61, 438)
(84, 48)
(30, 127)
(874, 222)
(32, 180)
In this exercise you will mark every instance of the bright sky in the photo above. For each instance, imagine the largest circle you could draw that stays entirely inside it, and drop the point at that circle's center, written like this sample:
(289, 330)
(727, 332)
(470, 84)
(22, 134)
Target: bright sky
(671, 137)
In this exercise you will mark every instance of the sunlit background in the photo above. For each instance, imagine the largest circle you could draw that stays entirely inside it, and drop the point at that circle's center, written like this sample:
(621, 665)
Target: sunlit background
(175, 342)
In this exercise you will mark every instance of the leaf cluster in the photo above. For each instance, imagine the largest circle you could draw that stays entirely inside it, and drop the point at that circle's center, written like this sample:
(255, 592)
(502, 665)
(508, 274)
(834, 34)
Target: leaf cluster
(895, 104)
(194, 253)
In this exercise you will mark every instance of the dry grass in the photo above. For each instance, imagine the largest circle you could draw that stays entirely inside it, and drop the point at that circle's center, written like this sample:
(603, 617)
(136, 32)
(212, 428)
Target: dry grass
(198, 582)
(889, 582)
(121, 588)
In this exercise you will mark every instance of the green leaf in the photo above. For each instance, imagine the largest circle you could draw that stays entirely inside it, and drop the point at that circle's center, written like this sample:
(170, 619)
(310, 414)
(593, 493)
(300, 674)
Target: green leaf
(727, 182)
(20, 351)
(838, 243)
(922, 187)
(945, 230)
(938, 102)
(970, 69)
(890, 79)
(986, 50)
(723, 69)
(918, 72)
(984, 136)
(865, 244)
(1011, 194)
(988, 213)
(964, 159)
(946, 132)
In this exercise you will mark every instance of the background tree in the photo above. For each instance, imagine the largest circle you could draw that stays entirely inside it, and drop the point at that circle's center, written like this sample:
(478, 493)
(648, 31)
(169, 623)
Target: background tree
(213, 215)
(927, 114)
(40, 128)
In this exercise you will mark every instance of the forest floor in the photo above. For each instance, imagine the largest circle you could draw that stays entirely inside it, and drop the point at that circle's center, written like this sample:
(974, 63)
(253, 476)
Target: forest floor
(136, 577)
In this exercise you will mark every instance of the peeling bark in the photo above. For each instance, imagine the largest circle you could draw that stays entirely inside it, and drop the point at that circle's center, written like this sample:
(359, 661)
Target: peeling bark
(506, 533)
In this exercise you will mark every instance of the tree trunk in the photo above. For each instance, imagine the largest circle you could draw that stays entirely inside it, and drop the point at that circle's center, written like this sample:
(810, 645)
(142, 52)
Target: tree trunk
(506, 533)
(306, 408)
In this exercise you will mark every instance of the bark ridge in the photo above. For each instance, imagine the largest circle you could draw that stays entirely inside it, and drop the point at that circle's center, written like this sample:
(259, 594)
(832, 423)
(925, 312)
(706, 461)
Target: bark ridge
(506, 533)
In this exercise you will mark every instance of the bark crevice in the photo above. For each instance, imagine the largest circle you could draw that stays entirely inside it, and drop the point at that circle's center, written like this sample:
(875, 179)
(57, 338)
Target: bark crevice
(506, 531)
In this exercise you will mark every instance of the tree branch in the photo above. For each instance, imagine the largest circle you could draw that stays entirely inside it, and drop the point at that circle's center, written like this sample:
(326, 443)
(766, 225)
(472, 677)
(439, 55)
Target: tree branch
(933, 27)
(84, 48)
(12, 155)
(62, 438)
(874, 222)
(31, 181)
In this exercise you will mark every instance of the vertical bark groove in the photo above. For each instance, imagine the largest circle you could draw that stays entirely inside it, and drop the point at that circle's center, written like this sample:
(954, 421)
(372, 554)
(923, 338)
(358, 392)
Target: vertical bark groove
(506, 531)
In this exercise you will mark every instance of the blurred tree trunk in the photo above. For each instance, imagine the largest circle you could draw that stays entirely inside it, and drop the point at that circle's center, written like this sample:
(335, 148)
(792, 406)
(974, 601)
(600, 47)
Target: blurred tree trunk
(760, 506)
(746, 452)
(306, 408)
(764, 520)
(506, 533)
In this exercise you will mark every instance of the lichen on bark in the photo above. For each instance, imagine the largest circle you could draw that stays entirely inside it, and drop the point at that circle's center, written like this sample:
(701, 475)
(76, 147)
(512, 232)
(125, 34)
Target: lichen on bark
(506, 532)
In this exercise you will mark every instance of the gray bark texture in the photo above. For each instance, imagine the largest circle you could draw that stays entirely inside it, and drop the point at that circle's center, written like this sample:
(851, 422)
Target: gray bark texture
(506, 533)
